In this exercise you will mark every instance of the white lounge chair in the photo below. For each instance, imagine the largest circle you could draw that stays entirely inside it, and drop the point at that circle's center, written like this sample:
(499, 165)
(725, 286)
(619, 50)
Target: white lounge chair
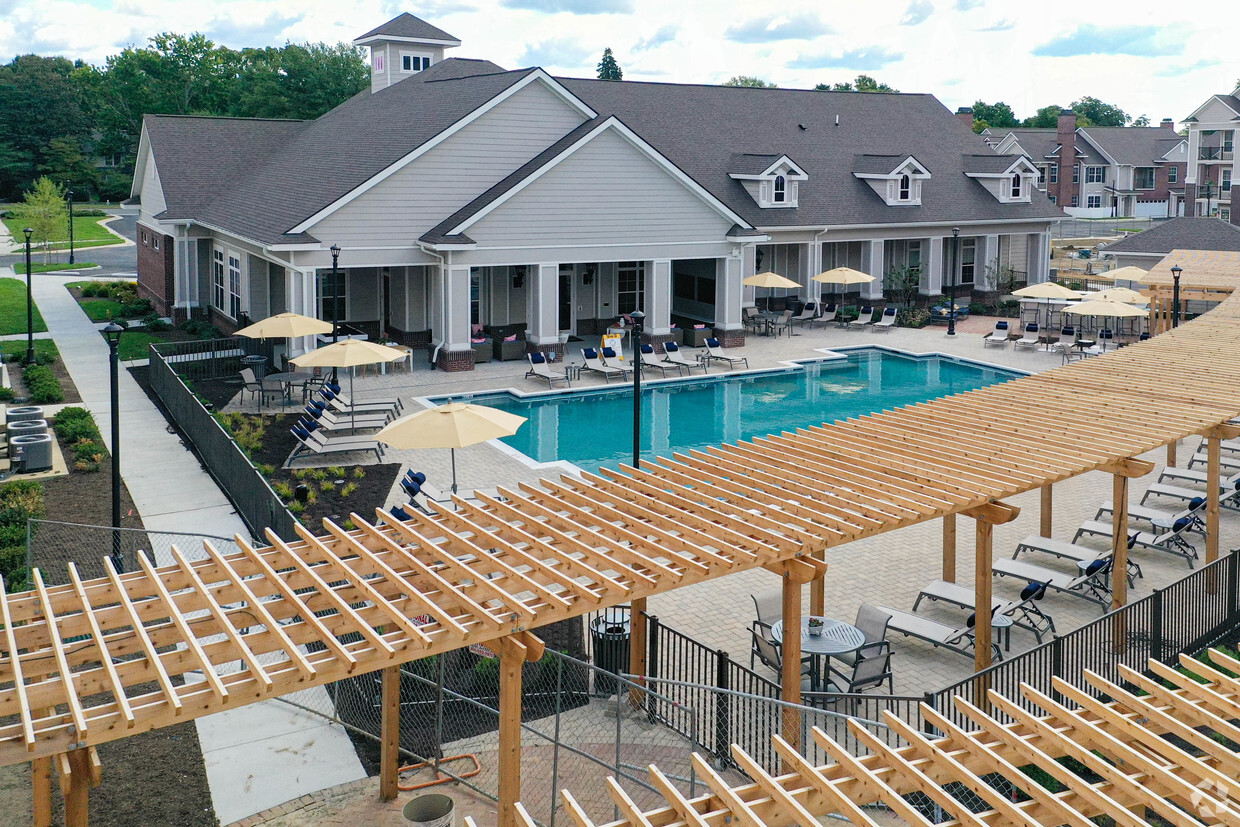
(672, 355)
(807, 314)
(650, 360)
(826, 317)
(1069, 551)
(886, 321)
(316, 443)
(864, 319)
(1023, 612)
(331, 421)
(933, 632)
(1067, 338)
(1091, 582)
(1031, 339)
(612, 360)
(714, 353)
(1159, 516)
(1229, 497)
(594, 363)
(1170, 539)
(540, 368)
(999, 336)
(1196, 477)
(1202, 458)
(343, 399)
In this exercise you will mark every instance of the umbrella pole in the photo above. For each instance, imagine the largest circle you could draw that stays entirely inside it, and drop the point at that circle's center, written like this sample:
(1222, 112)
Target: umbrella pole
(352, 402)
(453, 451)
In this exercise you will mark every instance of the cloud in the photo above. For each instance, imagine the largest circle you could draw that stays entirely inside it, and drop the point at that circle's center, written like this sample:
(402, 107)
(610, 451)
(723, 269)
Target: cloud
(1000, 26)
(664, 35)
(1176, 70)
(269, 31)
(566, 53)
(918, 12)
(782, 27)
(428, 9)
(1088, 39)
(966, 5)
(573, 6)
(862, 60)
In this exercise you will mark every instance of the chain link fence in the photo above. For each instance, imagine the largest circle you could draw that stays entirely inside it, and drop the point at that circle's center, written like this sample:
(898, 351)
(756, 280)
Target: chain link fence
(1100, 227)
(52, 545)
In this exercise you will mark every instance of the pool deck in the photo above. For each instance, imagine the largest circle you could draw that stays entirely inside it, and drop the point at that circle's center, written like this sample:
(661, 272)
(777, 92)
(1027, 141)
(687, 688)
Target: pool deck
(887, 569)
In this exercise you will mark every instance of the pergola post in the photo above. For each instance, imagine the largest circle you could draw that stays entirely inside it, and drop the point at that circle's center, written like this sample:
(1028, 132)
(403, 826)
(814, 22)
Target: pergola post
(790, 677)
(514, 650)
(1171, 449)
(1119, 541)
(637, 646)
(1046, 512)
(389, 726)
(1213, 473)
(79, 772)
(987, 517)
(949, 548)
(41, 791)
(818, 587)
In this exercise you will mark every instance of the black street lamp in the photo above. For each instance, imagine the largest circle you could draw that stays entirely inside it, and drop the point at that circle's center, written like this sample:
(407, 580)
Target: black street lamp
(1175, 295)
(1208, 187)
(113, 334)
(69, 195)
(29, 303)
(951, 295)
(335, 248)
(638, 318)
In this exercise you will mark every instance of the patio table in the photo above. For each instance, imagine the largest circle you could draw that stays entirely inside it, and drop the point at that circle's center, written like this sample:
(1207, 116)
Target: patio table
(284, 381)
(837, 638)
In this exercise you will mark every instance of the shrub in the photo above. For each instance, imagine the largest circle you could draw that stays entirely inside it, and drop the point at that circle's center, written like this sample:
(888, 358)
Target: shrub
(318, 474)
(74, 424)
(347, 489)
(43, 385)
(359, 472)
(137, 308)
(265, 469)
(336, 471)
(348, 525)
(848, 314)
(7, 395)
(312, 496)
(88, 455)
(296, 506)
(13, 566)
(89, 291)
(915, 317)
(154, 323)
(978, 308)
(283, 490)
(1009, 307)
(327, 486)
(88, 212)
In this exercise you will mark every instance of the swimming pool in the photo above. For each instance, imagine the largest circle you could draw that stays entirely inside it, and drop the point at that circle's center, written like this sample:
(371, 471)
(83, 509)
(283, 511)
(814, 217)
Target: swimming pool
(593, 428)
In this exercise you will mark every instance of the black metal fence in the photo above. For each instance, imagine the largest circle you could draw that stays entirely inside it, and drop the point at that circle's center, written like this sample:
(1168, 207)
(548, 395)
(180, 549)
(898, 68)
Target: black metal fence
(248, 490)
(212, 358)
(1193, 613)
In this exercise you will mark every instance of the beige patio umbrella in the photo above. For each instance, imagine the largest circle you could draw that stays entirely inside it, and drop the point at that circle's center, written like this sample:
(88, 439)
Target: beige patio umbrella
(1120, 294)
(770, 280)
(843, 275)
(1106, 309)
(285, 326)
(454, 425)
(348, 353)
(1129, 273)
(1046, 290)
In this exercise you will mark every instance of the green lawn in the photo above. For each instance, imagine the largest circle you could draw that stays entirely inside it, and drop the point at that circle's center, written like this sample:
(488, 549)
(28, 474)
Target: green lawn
(43, 347)
(13, 309)
(87, 232)
(135, 344)
(20, 269)
(101, 310)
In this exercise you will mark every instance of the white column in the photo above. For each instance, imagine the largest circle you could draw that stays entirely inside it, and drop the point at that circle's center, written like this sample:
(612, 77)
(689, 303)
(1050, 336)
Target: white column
(454, 309)
(749, 254)
(658, 307)
(934, 267)
(988, 260)
(812, 290)
(544, 297)
(728, 290)
(1038, 263)
(872, 262)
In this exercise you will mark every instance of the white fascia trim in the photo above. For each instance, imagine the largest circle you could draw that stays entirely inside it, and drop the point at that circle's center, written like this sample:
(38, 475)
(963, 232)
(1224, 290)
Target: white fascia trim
(430, 245)
(366, 186)
(907, 225)
(1021, 161)
(1112, 252)
(612, 123)
(139, 170)
(293, 248)
(1175, 148)
(421, 41)
(919, 171)
(1212, 99)
(745, 239)
(795, 171)
(1106, 155)
(1006, 141)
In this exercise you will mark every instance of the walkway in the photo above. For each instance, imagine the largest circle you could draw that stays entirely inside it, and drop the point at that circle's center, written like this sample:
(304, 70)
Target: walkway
(257, 756)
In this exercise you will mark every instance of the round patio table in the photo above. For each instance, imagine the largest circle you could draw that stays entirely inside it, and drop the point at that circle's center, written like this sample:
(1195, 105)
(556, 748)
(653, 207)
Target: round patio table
(837, 638)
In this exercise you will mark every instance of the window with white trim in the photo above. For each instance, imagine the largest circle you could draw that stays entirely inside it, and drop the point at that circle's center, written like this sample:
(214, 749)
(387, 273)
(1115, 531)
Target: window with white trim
(1095, 175)
(1093, 201)
(409, 62)
(630, 286)
(1076, 173)
(1041, 176)
(1018, 189)
(332, 296)
(1143, 178)
(904, 192)
(217, 278)
(1076, 201)
(1224, 182)
(780, 191)
(968, 260)
(1225, 213)
(1173, 174)
(234, 285)
(155, 241)
(914, 256)
(1054, 170)
(1053, 199)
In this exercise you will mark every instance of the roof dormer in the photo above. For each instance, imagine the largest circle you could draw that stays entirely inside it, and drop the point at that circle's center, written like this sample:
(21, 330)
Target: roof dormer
(402, 47)
(771, 180)
(1010, 179)
(896, 179)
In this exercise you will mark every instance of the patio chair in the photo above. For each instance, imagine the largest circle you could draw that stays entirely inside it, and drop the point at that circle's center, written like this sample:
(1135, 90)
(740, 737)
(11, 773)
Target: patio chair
(886, 321)
(768, 605)
(782, 324)
(329, 401)
(1161, 516)
(825, 318)
(612, 360)
(935, 633)
(1031, 339)
(1105, 336)
(864, 319)
(1092, 582)
(1070, 551)
(390, 401)
(999, 336)
(1229, 498)
(872, 621)
(332, 430)
(1186, 476)
(315, 443)
(807, 315)
(871, 668)
(1023, 612)
(594, 363)
(673, 356)
(257, 388)
(764, 648)
(649, 361)
(714, 353)
(1170, 539)
(752, 319)
(540, 368)
(1201, 457)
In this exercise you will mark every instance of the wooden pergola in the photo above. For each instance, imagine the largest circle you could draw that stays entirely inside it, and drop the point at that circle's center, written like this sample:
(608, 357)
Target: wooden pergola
(80, 659)
(1159, 747)
(1208, 275)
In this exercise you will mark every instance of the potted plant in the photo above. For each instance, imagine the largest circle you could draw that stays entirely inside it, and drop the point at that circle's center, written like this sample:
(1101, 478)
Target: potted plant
(815, 626)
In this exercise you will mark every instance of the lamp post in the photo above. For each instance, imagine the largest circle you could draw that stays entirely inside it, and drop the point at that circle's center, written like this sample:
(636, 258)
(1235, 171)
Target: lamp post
(951, 295)
(113, 334)
(638, 318)
(335, 248)
(1175, 295)
(1208, 186)
(69, 196)
(29, 303)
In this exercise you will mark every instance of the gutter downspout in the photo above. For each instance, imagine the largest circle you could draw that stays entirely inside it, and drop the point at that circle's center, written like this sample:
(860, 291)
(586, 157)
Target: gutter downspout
(817, 256)
(443, 266)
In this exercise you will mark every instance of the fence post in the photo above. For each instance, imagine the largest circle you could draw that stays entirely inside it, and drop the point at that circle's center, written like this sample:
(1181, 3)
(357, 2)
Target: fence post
(1057, 664)
(1233, 587)
(723, 709)
(931, 700)
(652, 646)
(1156, 627)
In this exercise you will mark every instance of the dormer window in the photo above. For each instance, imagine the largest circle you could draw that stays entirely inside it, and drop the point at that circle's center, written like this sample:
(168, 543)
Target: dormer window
(897, 179)
(771, 180)
(410, 62)
(780, 195)
(905, 191)
(1017, 190)
(1009, 180)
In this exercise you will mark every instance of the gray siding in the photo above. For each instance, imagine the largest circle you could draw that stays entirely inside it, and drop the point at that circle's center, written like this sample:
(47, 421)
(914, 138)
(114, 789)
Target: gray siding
(256, 271)
(152, 192)
(608, 192)
(448, 177)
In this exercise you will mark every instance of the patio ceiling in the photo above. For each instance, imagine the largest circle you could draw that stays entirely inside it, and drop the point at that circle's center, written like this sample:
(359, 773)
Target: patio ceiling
(97, 660)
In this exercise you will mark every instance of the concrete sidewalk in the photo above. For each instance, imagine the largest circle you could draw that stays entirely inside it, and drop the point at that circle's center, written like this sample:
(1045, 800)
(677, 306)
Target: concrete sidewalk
(247, 751)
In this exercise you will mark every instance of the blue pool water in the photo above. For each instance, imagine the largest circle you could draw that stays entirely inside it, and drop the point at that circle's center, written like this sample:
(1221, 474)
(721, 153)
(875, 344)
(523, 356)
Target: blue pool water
(593, 428)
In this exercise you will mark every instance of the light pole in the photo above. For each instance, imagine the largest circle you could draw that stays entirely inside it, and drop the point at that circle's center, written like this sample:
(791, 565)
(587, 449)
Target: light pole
(638, 318)
(29, 303)
(113, 334)
(335, 248)
(1208, 186)
(1175, 295)
(69, 195)
(951, 295)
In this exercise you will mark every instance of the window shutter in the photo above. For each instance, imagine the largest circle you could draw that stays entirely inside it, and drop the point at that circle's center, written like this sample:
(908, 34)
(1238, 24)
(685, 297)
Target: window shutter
(764, 192)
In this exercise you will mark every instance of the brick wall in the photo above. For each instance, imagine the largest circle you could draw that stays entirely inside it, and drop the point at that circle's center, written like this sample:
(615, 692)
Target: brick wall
(455, 360)
(1066, 135)
(156, 269)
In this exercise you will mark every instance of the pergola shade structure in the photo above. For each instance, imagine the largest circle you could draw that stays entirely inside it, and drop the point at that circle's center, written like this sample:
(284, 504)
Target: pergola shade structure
(79, 659)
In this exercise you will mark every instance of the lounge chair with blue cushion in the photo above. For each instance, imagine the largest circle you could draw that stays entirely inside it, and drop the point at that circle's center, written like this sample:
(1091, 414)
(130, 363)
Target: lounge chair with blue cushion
(886, 321)
(826, 317)
(332, 420)
(594, 363)
(807, 315)
(391, 401)
(1070, 551)
(650, 360)
(864, 319)
(612, 360)
(1091, 582)
(999, 336)
(1023, 611)
(315, 443)
(936, 633)
(672, 355)
(714, 353)
(540, 368)
(1030, 339)
(1170, 539)
(330, 399)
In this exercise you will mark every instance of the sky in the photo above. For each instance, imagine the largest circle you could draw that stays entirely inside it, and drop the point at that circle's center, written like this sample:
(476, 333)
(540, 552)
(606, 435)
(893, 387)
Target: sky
(1132, 53)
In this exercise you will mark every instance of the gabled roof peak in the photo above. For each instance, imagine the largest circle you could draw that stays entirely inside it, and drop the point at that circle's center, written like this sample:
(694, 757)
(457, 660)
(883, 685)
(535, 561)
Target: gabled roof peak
(407, 28)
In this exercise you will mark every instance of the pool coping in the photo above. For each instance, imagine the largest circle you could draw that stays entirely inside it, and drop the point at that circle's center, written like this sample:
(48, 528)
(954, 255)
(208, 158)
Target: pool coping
(782, 366)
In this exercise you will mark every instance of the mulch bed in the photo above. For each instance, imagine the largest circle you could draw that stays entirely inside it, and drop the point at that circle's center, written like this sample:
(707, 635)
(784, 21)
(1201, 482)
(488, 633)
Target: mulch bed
(66, 384)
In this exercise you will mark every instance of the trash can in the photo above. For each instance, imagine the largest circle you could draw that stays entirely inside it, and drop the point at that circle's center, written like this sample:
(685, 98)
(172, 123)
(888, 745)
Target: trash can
(23, 413)
(609, 634)
(434, 810)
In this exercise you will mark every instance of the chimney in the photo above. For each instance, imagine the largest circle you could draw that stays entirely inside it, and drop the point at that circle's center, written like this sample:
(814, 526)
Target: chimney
(1168, 123)
(1066, 137)
(965, 114)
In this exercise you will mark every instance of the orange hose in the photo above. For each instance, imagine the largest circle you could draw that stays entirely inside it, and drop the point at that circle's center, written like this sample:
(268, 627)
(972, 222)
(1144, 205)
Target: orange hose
(442, 779)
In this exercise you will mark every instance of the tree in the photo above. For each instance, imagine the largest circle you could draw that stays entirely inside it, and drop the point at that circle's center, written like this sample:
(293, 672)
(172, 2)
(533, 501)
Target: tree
(43, 210)
(65, 161)
(297, 81)
(749, 80)
(608, 68)
(1142, 120)
(1048, 118)
(39, 102)
(995, 115)
(1099, 113)
(903, 283)
(863, 83)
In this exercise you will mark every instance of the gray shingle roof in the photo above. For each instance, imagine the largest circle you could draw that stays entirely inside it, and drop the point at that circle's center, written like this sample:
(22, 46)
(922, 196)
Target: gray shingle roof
(1200, 233)
(1137, 145)
(749, 163)
(989, 163)
(876, 164)
(700, 128)
(1039, 143)
(406, 25)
